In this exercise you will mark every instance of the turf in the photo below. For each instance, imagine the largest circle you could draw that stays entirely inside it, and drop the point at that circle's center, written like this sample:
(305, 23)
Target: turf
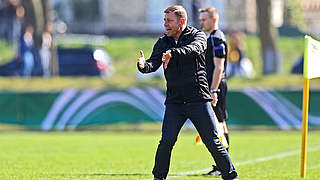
(129, 155)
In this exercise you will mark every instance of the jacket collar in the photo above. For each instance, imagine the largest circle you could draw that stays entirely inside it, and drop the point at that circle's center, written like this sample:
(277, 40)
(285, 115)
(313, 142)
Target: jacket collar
(214, 31)
(184, 33)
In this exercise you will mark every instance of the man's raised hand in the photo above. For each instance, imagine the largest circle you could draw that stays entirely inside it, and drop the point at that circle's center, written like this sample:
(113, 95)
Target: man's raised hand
(141, 60)
(166, 58)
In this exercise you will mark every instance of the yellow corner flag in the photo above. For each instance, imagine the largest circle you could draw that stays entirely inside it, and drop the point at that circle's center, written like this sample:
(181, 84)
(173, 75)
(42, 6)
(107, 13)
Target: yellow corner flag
(311, 58)
(221, 135)
(310, 70)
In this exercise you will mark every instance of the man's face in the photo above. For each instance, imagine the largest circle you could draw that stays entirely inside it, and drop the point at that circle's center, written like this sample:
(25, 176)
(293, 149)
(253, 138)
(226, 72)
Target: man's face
(206, 22)
(172, 25)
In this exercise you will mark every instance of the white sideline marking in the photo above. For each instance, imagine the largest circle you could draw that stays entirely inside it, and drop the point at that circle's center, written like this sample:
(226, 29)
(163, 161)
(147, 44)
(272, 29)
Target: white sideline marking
(267, 158)
(314, 167)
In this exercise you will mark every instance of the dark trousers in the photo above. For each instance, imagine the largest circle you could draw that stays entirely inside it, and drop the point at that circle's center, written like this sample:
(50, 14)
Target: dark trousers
(202, 117)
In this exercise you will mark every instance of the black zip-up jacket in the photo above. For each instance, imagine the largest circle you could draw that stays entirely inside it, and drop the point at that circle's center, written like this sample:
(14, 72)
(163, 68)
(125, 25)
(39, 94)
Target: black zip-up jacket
(186, 71)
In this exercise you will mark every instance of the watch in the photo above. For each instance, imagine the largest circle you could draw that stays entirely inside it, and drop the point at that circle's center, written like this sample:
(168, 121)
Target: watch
(214, 91)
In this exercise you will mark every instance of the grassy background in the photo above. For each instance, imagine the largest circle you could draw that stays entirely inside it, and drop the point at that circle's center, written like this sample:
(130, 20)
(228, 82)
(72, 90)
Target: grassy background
(125, 51)
(285, 82)
(130, 155)
(6, 52)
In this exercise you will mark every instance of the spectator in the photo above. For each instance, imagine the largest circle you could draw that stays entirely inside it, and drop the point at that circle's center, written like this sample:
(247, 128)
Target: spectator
(45, 54)
(28, 57)
(297, 67)
(238, 64)
(12, 23)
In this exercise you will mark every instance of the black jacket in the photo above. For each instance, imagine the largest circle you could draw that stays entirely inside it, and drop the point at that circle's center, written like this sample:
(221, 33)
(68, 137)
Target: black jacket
(186, 71)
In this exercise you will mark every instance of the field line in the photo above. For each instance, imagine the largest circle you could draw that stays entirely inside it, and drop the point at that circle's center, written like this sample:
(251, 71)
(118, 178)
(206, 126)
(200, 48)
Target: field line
(263, 159)
(314, 167)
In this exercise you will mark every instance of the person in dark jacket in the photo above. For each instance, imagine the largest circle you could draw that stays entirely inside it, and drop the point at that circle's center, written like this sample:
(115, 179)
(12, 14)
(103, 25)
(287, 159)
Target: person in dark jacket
(216, 61)
(181, 51)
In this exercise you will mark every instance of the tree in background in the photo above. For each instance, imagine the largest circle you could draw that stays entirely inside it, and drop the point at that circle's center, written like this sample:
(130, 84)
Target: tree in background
(268, 35)
(293, 14)
(38, 13)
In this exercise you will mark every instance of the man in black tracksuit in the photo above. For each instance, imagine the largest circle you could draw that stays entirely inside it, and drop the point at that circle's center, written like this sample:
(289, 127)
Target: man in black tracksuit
(182, 53)
(216, 63)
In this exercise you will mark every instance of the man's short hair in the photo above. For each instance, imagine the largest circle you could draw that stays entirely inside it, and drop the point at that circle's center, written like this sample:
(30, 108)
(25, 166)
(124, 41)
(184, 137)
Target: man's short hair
(179, 11)
(211, 11)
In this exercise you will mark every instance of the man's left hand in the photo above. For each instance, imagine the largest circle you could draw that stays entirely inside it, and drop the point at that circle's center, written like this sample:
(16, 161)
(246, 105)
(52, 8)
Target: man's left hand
(166, 58)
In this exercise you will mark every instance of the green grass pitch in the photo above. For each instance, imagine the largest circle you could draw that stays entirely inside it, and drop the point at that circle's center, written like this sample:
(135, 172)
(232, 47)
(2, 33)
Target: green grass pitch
(130, 155)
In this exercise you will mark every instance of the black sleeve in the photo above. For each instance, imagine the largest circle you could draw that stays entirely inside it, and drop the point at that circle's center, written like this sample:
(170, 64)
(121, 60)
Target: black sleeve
(155, 60)
(196, 47)
(219, 47)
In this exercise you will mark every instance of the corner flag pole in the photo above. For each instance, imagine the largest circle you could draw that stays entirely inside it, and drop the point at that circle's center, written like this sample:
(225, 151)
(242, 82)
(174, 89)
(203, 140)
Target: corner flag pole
(305, 107)
(310, 70)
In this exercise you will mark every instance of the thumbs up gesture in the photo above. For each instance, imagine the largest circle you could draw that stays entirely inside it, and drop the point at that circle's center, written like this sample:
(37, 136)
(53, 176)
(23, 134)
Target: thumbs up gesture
(141, 60)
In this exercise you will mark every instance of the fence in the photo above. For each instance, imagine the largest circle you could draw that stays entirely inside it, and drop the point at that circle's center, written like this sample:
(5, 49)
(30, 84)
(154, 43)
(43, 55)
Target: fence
(71, 109)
